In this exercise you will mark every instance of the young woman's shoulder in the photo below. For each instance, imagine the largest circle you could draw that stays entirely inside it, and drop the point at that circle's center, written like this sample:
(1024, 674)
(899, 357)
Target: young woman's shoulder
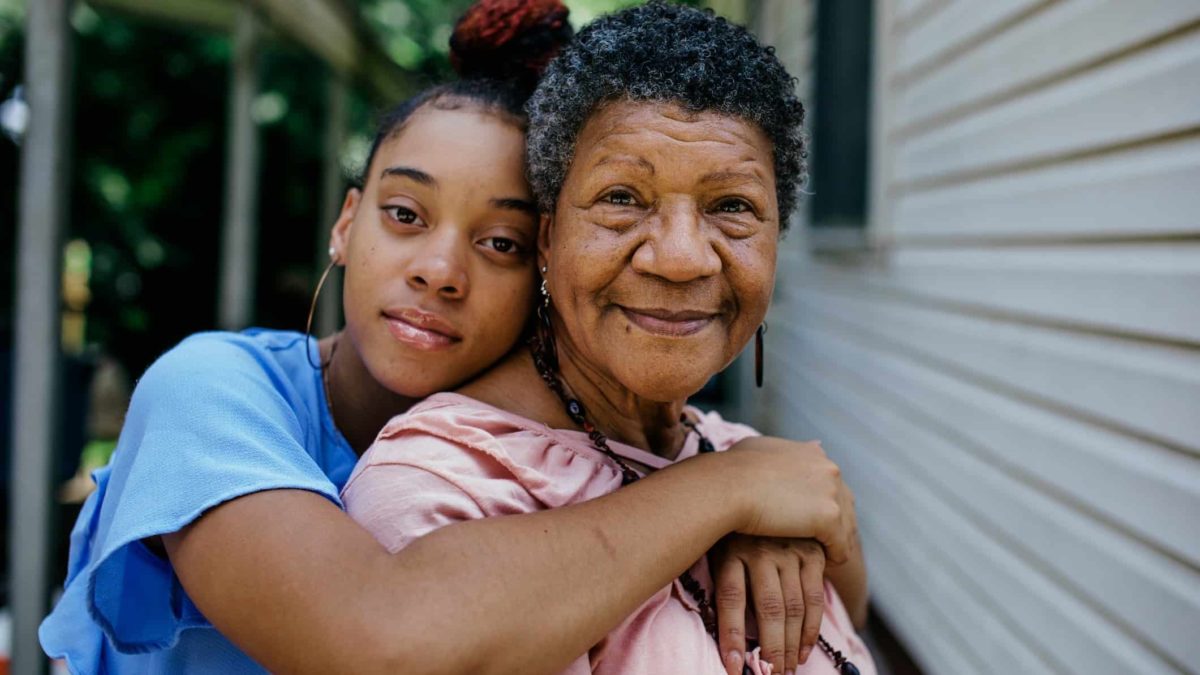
(213, 355)
(240, 378)
(219, 416)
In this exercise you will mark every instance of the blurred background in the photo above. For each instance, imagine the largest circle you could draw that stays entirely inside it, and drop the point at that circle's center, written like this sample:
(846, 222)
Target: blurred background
(988, 307)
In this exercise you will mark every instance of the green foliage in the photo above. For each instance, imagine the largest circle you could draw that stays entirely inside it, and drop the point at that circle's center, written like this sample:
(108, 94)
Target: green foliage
(148, 143)
(416, 33)
(584, 11)
(12, 13)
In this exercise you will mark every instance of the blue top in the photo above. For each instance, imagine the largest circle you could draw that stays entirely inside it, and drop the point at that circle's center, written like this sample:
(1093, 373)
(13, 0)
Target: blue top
(219, 416)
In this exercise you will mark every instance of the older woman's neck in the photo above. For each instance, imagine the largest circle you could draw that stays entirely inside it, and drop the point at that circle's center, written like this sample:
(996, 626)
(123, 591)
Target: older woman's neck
(514, 385)
(620, 414)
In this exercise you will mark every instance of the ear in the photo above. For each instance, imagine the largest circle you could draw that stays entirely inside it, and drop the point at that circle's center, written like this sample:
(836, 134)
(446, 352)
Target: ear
(545, 223)
(339, 238)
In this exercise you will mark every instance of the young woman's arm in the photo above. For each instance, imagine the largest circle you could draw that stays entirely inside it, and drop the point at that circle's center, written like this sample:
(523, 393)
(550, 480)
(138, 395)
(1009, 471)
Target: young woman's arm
(300, 587)
(850, 580)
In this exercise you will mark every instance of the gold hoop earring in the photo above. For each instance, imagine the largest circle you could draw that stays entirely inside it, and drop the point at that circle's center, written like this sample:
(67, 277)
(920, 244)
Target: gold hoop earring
(312, 308)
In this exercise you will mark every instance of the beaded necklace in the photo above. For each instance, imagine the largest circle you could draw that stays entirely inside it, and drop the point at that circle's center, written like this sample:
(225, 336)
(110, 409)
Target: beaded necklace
(546, 362)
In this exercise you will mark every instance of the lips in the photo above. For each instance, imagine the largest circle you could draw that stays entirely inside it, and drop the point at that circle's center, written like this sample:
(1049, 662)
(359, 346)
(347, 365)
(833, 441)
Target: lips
(669, 323)
(420, 329)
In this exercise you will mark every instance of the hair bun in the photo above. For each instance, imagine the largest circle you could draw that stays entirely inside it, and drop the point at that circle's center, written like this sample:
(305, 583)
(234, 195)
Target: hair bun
(509, 39)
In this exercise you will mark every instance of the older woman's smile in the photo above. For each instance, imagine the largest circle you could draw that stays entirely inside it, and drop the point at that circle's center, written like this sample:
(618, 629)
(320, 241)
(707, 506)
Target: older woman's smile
(669, 323)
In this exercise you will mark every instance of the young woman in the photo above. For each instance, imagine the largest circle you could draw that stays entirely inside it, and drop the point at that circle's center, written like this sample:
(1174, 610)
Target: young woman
(216, 540)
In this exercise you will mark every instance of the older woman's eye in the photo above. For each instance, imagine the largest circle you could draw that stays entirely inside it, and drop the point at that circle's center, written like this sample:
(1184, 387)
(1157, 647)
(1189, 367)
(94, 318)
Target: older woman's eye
(734, 206)
(619, 198)
(401, 214)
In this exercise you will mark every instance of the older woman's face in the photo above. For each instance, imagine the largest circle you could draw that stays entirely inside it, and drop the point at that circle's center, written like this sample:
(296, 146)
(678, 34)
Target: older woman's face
(661, 253)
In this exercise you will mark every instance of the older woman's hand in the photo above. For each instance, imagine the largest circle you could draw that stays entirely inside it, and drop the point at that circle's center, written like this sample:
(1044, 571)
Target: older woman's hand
(787, 587)
(794, 490)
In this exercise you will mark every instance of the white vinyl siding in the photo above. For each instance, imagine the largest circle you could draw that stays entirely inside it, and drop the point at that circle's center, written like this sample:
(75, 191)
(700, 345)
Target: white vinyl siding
(1010, 373)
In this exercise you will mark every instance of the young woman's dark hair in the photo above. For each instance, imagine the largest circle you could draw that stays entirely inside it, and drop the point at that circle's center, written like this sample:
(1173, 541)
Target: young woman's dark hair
(499, 49)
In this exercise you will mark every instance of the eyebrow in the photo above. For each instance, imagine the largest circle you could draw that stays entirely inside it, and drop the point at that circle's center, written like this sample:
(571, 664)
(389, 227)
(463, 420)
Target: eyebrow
(523, 205)
(410, 173)
(642, 162)
(728, 176)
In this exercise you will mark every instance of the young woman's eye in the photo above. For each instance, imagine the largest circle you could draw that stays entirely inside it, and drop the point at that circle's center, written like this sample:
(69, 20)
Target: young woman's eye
(402, 214)
(619, 198)
(502, 245)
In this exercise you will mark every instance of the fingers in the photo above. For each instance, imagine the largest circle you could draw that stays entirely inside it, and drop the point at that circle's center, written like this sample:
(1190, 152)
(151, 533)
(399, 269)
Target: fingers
(731, 613)
(850, 514)
(812, 579)
(839, 524)
(793, 604)
(849, 522)
(836, 541)
(769, 609)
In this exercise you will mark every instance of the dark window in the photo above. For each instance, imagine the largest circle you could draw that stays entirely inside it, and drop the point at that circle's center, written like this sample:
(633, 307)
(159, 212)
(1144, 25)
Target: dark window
(841, 114)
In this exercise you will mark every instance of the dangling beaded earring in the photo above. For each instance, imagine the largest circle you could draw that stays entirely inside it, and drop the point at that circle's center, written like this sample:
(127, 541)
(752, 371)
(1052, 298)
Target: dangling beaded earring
(312, 308)
(758, 354)
(542, 340)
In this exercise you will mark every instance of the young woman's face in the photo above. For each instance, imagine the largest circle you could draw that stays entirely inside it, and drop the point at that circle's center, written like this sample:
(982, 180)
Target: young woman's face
(439, 251)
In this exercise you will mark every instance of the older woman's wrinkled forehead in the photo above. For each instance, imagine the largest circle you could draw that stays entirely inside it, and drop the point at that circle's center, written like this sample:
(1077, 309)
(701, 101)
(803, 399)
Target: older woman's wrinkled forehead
(636, 130)
(626, 117)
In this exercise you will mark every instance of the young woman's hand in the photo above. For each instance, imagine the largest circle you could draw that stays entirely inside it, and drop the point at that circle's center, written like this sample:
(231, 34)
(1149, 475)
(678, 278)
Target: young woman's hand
(787, 587)
(791, 489)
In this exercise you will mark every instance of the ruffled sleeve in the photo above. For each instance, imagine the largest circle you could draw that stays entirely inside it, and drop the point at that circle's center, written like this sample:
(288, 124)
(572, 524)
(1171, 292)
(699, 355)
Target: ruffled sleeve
(210, 421)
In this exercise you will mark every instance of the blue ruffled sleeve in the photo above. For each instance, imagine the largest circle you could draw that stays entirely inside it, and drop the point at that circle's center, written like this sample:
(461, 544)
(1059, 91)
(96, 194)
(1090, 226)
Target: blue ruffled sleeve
(216, 418)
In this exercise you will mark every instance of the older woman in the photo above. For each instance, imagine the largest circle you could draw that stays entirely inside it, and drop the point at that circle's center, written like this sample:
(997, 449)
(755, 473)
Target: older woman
(665, 152)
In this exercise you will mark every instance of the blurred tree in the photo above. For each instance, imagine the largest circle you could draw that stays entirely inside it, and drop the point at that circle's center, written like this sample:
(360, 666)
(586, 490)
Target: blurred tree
(416, 33)
(12, 45)
(148, 141)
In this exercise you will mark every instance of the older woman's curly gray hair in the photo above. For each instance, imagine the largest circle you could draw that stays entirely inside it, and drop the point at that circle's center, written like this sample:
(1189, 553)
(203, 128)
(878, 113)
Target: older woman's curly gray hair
(670, 53)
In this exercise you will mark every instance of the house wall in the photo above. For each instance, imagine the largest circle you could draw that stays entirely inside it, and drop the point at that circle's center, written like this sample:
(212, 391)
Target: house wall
(1009, 373)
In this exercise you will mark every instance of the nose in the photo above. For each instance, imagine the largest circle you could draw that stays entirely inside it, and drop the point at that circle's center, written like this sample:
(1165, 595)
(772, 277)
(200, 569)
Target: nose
(677, 248)
(440, 266)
